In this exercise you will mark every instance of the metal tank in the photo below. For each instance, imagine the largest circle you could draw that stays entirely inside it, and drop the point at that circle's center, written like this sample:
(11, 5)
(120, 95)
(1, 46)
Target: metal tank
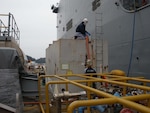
(66, 56)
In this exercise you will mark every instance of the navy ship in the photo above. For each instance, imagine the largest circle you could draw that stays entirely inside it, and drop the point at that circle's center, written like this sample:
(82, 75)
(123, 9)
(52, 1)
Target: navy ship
(123, 23)
(120, 24)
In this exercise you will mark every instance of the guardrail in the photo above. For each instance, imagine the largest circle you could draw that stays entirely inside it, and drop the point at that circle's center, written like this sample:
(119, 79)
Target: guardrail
(107, 98)
(8, 27)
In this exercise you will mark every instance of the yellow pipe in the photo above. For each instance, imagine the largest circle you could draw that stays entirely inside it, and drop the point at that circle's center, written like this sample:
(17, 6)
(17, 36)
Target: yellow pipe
(86, 87)
(80, 85)
(91, 89)
(30, 108)
(100, 93)
(127, 103)
(104, 74)
(124, 88)
(47, 97)
(137, 97)
(96, 80)
(148, 103)
(139, 79)
(144, 83)
(39, 88)
(113, 76)
(33, 102)
(67, 85)
(122, 78)
(42, 109)
(92, 102)
(120, 83)
(136, 106)
(129, 85)
(131, 78)
(113, 82)
(89, 97)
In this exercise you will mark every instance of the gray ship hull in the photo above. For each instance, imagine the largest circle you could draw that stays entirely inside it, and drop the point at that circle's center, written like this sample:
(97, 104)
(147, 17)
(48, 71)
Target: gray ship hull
(126, 30)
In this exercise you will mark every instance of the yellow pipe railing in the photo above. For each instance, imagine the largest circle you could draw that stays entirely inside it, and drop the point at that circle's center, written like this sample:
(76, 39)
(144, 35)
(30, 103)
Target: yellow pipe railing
(92, 102)
(139, 79)
(125, 102)
(110, 99)
(118, 83)
(41, 107)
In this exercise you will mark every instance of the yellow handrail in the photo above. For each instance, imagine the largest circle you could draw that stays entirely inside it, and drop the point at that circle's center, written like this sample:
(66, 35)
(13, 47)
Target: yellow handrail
(108, 98)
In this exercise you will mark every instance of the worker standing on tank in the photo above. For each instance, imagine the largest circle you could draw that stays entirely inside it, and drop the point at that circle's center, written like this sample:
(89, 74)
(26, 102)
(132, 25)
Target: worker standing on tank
(81, 32)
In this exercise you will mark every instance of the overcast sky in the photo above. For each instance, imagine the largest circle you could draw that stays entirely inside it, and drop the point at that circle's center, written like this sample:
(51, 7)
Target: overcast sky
(36, 22)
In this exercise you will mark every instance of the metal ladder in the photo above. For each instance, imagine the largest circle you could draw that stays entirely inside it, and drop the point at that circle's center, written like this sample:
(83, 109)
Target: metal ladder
(98, 42)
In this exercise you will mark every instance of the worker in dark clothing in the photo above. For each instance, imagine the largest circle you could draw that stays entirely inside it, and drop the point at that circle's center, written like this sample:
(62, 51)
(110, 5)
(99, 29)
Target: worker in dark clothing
(89, 69)
(81, 32)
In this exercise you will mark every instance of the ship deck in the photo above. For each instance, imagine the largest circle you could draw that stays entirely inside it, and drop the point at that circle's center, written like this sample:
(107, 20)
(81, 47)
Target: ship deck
(113, 89)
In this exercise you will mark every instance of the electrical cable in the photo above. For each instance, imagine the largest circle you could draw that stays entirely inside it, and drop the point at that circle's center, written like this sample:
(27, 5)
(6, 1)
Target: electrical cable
(132, 42)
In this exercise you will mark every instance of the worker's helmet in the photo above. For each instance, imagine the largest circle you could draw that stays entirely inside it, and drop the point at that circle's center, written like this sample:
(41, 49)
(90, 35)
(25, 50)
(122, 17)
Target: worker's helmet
(85, 20)
(89, 62)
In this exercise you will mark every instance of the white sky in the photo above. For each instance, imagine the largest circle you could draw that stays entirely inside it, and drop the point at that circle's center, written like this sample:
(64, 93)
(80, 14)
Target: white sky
(36, 22)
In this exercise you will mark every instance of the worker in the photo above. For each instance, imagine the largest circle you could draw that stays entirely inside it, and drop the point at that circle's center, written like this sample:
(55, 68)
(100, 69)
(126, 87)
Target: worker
(89, 69)
(81, 32)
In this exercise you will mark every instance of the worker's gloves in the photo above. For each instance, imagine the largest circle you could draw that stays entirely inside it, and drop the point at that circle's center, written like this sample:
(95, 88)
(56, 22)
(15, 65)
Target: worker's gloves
(87, 33)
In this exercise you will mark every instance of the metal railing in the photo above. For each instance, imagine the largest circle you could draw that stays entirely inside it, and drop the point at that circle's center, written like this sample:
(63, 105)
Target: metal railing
(2, 28)
(8, 27)
(107, 98)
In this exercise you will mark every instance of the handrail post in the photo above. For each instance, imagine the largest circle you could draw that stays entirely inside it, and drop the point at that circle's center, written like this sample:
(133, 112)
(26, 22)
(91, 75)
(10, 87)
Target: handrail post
(9, 17)
(39, 87)
(124, 89)
(89, 97)
(148, 103)
(47, 98)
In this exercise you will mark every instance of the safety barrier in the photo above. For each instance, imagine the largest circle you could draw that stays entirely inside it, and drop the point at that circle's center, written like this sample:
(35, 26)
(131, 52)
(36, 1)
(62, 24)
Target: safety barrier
(9, 28)
(107, 98)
